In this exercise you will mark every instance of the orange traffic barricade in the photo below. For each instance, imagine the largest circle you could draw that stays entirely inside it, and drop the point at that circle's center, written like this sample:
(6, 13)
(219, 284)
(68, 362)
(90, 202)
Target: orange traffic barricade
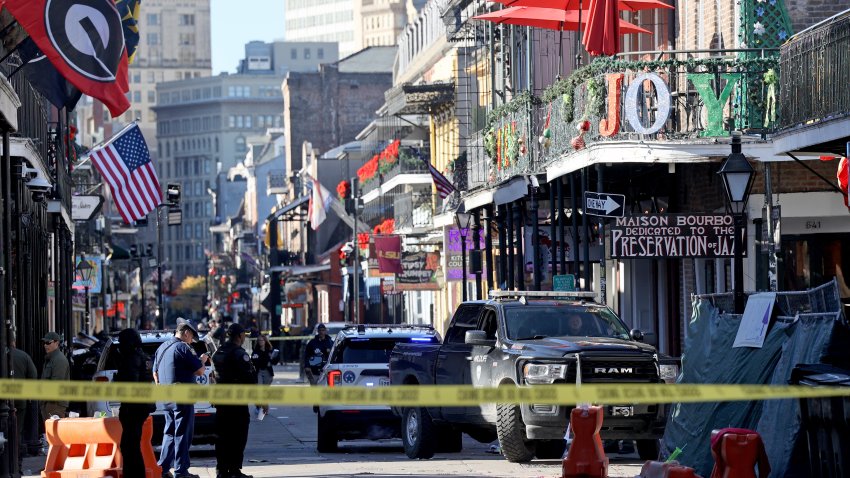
(586, 457)
(737, 452)
(88, 448)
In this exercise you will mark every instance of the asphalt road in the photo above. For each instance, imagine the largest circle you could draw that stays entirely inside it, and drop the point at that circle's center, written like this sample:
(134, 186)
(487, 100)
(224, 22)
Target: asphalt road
(284, 445)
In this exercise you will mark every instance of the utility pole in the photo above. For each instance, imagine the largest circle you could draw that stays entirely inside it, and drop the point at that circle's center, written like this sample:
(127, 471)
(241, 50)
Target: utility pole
(159, 311)
(356, 301)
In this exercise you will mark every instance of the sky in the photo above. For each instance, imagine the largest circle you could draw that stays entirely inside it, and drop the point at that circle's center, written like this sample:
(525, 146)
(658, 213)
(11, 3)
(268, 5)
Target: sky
(236, 22)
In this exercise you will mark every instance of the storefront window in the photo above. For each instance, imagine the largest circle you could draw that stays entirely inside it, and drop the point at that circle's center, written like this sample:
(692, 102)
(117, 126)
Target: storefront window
(814, 259)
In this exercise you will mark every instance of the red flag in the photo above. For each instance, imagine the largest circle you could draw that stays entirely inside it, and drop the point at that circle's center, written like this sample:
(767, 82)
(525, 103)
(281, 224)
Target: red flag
(843, 178)
(388, 249)
(84, 40)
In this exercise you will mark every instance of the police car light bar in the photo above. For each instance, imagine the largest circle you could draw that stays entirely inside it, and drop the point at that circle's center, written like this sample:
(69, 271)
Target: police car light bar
(515, 294)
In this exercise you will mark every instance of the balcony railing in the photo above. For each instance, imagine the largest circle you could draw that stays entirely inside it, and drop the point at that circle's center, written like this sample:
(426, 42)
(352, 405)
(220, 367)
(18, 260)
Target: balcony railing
(676, 96)
(278, 182)
(32, 115)
(812, 64)
(413, 209)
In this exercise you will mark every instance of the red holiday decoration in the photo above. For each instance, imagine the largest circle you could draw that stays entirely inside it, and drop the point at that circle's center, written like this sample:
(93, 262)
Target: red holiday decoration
(386, 227)
(363, 240)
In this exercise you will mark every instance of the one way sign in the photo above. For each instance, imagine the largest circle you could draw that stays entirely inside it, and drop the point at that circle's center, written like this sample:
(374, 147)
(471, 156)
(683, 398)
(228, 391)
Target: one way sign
(602, 204)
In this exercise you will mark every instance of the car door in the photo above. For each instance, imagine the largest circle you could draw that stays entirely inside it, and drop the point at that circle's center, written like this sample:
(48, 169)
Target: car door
(454, 358)
(484, 359)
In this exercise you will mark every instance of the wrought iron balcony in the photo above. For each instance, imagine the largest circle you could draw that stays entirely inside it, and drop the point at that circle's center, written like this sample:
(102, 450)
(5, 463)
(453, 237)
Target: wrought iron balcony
(813, 64)
(407, 162)
(678, 96)
(413, 210)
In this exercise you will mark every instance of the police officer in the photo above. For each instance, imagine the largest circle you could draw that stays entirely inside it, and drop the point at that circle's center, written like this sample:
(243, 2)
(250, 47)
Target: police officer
(318, 349)
(134, 366)
(232, 365)
(177, 362)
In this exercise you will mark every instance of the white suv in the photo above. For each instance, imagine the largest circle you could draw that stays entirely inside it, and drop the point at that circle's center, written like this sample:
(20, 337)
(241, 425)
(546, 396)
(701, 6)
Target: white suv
(360, 357)
(151, 340)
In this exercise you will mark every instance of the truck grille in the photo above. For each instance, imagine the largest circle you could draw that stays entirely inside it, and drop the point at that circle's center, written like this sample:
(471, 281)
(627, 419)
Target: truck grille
(619, 370)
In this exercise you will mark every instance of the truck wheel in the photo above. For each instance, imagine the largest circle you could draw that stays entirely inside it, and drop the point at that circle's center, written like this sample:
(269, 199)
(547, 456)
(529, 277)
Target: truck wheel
(648, 449)
(418, 433)
(550, 449)
(326, 441)
(449, 440)
(510, 429)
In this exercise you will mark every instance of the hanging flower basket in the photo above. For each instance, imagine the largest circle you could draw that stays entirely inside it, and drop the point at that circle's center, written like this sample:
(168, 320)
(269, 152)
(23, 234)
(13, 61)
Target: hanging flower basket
(386, 227)
(343, 190)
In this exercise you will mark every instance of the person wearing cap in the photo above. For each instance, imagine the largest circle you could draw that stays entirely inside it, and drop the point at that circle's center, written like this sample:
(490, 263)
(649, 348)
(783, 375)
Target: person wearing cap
(56, 367)
(176, 362)
(318, 350)
(232, 366)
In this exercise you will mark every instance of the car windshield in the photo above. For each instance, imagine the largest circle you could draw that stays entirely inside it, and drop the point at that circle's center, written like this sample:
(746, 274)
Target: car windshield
(530, 322)
(362, 350)
(147, 347)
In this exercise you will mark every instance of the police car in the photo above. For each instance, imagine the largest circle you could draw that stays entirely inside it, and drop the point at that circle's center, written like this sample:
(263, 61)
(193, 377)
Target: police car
(360, 358)
(151, 340)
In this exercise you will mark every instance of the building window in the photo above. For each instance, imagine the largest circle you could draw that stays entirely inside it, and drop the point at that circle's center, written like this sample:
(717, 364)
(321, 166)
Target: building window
(137, 77)
(153, 19)
(153, 38)
(151, 96)
(137, 96)
(199, 233)
(320, 53)
(306, 53)
(231, 123)
(186, 20)
(293, 54)
(248, 121)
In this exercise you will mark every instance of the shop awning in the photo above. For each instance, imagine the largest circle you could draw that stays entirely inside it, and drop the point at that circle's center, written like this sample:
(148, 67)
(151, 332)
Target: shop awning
(300, 270)
(408, 99)
(276, 215)
(514, 189)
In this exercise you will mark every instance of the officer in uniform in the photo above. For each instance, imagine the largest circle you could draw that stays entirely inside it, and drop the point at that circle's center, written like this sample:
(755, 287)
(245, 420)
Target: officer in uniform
(232, 365)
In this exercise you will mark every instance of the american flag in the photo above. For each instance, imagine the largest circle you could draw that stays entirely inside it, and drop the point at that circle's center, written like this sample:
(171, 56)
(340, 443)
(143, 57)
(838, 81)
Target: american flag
(125, 164)
(444, 187)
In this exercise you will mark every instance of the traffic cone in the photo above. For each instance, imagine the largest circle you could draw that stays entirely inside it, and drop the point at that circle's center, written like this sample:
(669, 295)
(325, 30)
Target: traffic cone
(586, 457)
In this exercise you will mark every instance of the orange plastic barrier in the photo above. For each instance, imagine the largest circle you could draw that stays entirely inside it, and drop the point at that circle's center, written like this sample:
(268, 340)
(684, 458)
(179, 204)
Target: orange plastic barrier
(586, 457)
(659, 469)
(736, 453)
(88, 448)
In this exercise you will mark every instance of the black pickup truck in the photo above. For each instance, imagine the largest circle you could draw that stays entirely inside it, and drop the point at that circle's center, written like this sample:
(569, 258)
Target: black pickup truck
(529, 341)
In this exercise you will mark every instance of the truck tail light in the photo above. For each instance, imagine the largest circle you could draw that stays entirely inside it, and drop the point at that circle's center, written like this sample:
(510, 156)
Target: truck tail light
(101, 378)
(334, 378)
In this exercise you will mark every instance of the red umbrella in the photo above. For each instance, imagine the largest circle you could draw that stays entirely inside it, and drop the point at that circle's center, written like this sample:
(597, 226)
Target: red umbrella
(630, 5)
(549, 18)
(602, 36)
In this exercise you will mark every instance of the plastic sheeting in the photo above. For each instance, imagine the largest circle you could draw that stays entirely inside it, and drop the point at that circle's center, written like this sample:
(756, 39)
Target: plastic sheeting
(710, 358)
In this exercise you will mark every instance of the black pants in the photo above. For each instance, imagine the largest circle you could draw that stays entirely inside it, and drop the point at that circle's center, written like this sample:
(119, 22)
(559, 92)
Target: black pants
(231, 428)
(132, 417)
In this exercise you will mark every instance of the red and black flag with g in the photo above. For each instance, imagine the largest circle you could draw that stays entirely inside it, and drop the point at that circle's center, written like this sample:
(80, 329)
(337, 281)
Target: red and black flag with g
(84, 41)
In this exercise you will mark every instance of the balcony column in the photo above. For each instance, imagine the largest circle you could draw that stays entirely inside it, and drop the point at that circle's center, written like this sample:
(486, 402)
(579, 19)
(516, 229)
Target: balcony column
(503, 249)
(509, 237)
(585, 222)
(561, 226)
(519, 256)
(475, 258)
(552, 230)
(536, 263)
(488, 249)
(573, 195)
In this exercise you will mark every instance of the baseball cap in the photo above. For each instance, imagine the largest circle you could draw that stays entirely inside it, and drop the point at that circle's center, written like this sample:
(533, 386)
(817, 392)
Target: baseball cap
(51, 336)
(184, 326)
(235, 330)
(321, 327)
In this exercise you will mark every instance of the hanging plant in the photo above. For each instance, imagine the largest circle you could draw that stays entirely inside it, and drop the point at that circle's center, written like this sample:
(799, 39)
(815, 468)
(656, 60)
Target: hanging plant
(490, 144)
(363, 240)
(343, 189)
(386, 227)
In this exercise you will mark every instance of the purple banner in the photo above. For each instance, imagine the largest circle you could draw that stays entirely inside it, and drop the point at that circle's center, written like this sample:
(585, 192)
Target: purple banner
(454, 261)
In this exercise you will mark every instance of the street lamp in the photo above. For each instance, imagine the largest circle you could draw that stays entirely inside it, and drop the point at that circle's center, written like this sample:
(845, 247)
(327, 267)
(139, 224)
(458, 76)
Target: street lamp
(462, 219)
(85, 269)
(737, 174)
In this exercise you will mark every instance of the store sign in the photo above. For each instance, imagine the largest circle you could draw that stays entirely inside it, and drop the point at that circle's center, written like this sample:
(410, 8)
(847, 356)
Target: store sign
(654, 236)
(454, 257)
(94, 283)
(419, 271)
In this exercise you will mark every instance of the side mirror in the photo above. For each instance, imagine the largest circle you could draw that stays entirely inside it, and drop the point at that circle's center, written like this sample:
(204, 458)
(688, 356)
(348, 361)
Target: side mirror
(636, 334)
(478, 337)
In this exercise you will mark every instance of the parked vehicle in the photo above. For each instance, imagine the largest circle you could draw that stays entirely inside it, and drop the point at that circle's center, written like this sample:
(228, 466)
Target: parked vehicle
(527, 339)
(151, 340)
(360, 357)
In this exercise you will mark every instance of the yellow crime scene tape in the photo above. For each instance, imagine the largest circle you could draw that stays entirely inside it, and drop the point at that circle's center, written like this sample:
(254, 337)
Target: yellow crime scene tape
(419, 395)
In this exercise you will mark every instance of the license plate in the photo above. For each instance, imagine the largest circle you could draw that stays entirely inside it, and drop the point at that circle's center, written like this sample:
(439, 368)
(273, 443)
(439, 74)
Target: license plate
(384, 382)
(622, 411)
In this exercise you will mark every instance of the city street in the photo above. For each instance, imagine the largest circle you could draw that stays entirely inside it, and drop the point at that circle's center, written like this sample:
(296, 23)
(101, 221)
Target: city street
(284, 444)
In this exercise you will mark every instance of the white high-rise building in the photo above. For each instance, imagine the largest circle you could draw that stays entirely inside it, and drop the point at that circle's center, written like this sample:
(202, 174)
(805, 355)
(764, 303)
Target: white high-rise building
(322, 21)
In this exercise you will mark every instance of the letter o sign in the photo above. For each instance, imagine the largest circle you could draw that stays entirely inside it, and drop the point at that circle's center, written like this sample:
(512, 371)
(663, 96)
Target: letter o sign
(631, 101)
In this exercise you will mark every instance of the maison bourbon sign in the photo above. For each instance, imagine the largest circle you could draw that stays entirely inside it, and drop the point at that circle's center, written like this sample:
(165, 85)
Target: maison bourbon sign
(673, 235)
